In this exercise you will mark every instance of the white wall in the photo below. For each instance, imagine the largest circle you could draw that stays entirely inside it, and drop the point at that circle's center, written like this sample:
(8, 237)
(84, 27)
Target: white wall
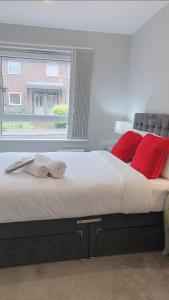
(109, 80)
(149, 66)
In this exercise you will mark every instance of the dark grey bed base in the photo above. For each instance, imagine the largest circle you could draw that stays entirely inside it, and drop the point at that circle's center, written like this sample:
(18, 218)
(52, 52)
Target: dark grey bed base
(32, 242)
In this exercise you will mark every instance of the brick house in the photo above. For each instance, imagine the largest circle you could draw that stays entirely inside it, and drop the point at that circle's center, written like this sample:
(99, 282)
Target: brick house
(34, 86)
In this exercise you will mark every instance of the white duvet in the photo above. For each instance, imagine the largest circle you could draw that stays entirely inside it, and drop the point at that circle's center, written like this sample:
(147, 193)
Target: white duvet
(95, 183)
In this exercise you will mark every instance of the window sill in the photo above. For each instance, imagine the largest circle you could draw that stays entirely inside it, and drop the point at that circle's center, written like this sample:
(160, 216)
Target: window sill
(12, 139)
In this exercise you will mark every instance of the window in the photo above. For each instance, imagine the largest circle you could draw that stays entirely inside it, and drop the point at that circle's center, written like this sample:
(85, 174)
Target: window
(40, 107)
(37, 103)
(52, 69)
(14, 67)
(14, 98)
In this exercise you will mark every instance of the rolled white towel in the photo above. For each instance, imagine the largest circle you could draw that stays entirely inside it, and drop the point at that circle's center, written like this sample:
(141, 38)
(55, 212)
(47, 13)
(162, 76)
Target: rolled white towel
(42, 158)
(37, 169)
(56, 169)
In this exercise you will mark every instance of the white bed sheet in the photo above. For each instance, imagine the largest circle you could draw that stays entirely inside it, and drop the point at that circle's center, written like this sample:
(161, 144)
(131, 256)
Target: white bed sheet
(95, 183)
(160, 188)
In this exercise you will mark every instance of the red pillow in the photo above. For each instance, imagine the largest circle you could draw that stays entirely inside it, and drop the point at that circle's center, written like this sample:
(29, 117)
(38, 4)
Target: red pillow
(151, 155)
(126, 146)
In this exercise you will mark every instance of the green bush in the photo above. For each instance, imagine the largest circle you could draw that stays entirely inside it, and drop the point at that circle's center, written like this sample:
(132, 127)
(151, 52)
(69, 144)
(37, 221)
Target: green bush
(59, 125)
(10, 125)
(17, 110)
(60, 109)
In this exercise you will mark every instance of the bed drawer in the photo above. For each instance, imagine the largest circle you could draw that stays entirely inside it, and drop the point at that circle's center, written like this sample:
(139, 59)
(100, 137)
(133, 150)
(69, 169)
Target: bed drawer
(107, 241)
(132, 220)
(38, 228)
(29, 250)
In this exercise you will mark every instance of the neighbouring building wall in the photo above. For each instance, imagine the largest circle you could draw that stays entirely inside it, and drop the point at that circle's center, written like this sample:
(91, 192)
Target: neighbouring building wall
(149, 66)
(109, 78)
(34, 71)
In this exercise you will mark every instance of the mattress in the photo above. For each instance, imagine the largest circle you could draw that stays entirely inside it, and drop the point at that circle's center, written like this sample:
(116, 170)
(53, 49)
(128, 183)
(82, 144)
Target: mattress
(160, 189)
(95, 183)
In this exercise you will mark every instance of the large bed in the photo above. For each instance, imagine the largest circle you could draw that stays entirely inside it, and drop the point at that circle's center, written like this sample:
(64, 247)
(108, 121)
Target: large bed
(101, 207)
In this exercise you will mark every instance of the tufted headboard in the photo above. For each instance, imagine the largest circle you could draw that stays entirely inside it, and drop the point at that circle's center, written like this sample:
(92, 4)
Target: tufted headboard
(153, 123)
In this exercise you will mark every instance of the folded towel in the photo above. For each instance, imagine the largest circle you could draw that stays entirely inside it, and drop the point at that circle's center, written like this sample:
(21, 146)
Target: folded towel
(37, 169)
(56, 169)
(19, 164)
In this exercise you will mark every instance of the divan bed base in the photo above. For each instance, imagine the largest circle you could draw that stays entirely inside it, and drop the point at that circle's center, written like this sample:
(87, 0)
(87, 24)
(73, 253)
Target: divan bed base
(32, 242)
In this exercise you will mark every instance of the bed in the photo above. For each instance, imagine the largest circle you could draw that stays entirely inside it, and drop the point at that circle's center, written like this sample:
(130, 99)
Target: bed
(101, 207)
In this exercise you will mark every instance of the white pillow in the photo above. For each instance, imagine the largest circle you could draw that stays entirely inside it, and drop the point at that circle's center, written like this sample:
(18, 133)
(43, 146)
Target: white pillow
(143, 133)
(165, 172)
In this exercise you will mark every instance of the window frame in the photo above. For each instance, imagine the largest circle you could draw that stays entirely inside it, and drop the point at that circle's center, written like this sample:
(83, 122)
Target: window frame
(20, 98)
(14, 73)
(57, 70)
(19, 53)
(69, 70)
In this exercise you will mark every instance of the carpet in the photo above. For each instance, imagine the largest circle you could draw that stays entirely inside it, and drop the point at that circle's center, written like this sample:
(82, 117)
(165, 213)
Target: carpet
(143, 276)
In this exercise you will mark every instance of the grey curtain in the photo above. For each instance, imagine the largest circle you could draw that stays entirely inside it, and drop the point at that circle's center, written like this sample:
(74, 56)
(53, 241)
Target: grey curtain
(80, 93)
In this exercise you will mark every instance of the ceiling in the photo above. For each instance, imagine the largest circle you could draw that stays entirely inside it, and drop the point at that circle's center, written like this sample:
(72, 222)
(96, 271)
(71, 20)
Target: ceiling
(101, 16)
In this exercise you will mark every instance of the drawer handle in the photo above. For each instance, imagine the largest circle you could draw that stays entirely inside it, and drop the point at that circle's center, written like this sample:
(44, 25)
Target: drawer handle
(98, 230)
(89, 221)
(80, 232)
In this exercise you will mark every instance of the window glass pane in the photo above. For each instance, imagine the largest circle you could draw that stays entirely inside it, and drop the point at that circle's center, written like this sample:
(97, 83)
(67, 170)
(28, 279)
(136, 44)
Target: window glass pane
(14, 98)
(41, 94)
(13, 67)
(22, 128)
(52, 69)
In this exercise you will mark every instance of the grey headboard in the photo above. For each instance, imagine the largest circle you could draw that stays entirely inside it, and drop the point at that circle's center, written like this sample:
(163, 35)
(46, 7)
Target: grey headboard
(154, 123)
